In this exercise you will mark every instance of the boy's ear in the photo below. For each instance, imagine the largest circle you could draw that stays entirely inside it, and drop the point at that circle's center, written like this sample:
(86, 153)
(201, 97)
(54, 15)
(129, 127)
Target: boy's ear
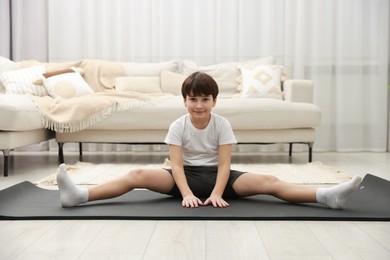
(184, 101)
(214, 102)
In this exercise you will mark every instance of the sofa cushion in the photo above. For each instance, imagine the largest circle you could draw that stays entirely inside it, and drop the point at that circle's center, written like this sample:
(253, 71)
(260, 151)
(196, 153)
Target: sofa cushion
(266, 113)
(263, 81)
(225, 74)
(21, 81)
(242, 113)
(143, 84)
(156, 115)
(18, 113)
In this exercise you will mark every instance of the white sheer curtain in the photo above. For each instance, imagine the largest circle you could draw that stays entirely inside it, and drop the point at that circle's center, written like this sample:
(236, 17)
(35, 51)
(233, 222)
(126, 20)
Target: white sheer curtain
(5, 28)
(341, 45)
(23, 29)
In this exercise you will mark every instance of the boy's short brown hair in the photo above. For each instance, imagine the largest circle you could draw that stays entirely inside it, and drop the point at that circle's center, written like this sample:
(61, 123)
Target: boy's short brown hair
(199, 84)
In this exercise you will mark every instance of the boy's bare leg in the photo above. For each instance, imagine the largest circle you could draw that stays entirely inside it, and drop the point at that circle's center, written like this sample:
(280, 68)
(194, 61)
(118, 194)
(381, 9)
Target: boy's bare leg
(252, 184)
(158, 180)
(71, 195)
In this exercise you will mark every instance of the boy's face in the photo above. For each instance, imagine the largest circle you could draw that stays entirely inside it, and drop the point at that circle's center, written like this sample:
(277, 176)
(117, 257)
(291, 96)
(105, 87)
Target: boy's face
(199, 107)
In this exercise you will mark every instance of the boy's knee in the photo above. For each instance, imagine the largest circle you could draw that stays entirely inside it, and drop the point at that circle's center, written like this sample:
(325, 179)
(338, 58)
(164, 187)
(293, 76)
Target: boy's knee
(272, 179)
(135, 174)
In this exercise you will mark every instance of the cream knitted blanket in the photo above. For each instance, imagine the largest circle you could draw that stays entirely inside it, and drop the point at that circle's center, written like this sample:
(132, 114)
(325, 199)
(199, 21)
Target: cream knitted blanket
(76, 114)
(99, 74)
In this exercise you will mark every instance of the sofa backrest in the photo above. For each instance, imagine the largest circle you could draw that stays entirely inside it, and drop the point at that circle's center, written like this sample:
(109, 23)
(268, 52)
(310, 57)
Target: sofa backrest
(166, 77)
(227, 75)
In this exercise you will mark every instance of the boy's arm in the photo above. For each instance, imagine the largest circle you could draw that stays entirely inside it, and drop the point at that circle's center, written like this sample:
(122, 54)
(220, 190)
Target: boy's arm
(175, 155)
(224, 159)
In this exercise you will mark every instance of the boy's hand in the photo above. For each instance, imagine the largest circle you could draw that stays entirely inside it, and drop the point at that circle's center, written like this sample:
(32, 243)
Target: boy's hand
(191, 201)
(216, 201)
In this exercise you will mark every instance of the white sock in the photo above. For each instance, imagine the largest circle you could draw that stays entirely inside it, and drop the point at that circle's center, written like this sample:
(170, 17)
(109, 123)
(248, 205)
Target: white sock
(70, 194)
(335, 197)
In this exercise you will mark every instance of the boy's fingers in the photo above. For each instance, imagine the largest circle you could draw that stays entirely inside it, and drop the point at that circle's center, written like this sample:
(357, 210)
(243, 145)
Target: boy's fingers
(193, 203)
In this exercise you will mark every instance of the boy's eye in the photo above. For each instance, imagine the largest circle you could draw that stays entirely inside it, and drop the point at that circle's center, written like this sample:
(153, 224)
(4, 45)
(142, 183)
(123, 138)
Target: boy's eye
(194, 99)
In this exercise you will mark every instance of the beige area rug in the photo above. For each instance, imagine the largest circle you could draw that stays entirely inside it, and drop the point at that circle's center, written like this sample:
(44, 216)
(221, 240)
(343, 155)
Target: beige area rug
(315, 173)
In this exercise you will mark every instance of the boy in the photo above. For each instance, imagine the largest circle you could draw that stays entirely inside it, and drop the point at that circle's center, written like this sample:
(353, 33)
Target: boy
(200, 145)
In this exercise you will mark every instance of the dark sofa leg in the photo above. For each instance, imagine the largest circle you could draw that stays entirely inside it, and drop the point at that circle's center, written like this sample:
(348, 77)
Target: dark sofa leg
(6, 160)
(290, 149)
(80, 152)
(61, 153)
(310, 151)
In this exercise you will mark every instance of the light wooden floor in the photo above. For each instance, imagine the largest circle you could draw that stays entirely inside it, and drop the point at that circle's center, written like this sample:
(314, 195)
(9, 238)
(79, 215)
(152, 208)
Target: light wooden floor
(108, 239)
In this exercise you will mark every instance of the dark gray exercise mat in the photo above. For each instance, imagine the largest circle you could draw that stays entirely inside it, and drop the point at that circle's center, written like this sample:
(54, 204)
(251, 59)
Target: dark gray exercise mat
(27, 201)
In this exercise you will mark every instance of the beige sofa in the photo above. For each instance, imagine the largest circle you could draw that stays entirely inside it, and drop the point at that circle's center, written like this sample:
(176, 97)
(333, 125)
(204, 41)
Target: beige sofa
(259, 115)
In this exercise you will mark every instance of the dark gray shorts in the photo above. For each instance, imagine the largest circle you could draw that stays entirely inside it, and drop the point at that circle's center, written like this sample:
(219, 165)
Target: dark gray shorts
(201, 180)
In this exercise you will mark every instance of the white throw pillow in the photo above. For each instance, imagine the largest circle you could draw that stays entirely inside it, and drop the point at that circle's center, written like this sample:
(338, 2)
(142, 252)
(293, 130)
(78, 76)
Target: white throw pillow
(65, 84)
(21, 81)
(262, 81)
(224, 74)
(7, 65)
(171, 82)
(138, 84)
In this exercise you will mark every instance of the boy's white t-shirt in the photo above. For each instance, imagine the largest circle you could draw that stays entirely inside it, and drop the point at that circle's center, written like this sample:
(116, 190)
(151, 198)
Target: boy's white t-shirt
(200, 146)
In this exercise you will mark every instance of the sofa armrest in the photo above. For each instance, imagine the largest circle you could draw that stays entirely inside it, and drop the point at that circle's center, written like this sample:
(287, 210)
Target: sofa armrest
(298, 90)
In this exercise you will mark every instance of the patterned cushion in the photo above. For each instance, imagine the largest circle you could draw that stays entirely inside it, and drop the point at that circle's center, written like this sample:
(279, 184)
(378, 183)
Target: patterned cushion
(261, 81)
(65, 84)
